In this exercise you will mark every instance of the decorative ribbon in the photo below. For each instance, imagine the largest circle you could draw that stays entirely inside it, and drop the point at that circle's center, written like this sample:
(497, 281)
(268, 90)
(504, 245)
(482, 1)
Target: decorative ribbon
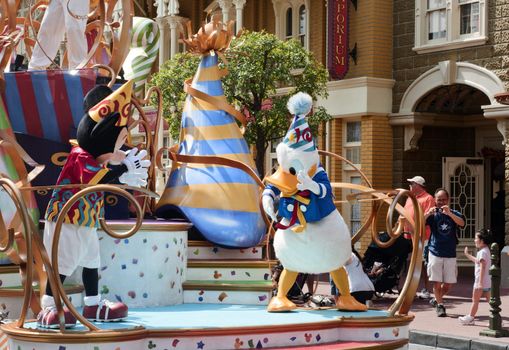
(298, 198)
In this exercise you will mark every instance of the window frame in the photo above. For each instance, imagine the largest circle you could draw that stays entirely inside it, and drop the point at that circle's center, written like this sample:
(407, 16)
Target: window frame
(347, 208)
(280, 8)
(349, 145)
(453, 39)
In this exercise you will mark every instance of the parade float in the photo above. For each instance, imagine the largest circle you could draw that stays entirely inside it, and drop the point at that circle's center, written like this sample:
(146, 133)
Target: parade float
(182, 294)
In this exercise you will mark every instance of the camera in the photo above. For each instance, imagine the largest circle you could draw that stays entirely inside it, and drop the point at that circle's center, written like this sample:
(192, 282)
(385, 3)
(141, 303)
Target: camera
(438, 210)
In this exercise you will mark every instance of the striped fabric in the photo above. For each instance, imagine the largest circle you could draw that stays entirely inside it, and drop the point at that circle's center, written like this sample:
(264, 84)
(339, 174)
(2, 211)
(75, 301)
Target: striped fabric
(221, 202)
(143, 53)
(4, 341)
(13, 166)
(47, 104)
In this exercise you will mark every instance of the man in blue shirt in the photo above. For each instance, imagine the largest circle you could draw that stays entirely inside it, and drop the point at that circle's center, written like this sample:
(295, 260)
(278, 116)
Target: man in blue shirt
(442, 269)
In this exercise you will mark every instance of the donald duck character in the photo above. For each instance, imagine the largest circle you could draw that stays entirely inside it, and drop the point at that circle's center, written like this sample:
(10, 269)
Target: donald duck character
(311, 237)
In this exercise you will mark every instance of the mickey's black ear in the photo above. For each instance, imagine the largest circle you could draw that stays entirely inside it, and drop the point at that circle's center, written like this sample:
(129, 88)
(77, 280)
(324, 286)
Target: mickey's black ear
(105, 126)
(96, 95)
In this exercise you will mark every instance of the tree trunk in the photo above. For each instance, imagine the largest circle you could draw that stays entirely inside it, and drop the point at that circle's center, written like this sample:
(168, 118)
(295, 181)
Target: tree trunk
(260, 158)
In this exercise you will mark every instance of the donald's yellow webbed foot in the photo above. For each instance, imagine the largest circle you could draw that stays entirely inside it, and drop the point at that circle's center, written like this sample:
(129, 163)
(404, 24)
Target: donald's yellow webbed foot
(349, 303)
(280, 304)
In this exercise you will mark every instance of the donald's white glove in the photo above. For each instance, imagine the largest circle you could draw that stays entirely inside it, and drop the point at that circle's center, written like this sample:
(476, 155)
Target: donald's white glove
(306, 183)
(134, 160)
(268, 206)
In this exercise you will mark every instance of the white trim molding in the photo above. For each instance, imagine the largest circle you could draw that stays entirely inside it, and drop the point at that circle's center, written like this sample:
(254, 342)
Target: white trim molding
(449, 73)
(500, 113)
(443, 74)
(358, 97)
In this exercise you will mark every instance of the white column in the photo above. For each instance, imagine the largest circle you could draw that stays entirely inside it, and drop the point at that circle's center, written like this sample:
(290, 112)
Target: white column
(277, 13)
(163, 45)
(173, 22)
(173, 7)
(225, 8)
(161, 7)
(239, 7)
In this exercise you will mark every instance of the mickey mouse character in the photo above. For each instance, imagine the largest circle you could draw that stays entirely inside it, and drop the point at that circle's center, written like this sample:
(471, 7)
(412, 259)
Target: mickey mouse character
(96, 159)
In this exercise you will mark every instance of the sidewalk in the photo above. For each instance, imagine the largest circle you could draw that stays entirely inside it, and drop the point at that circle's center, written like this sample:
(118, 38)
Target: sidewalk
(447, 332)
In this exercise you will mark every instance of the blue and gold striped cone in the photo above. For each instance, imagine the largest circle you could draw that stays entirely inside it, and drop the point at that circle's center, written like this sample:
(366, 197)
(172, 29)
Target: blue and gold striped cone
(222, 202)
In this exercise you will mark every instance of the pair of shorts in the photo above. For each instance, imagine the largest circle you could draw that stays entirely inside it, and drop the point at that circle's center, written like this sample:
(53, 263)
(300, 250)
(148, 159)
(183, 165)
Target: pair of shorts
(78, 246)
(443, 270)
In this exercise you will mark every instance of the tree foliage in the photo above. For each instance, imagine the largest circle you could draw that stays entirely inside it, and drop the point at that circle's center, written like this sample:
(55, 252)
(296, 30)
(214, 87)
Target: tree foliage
(263, 71)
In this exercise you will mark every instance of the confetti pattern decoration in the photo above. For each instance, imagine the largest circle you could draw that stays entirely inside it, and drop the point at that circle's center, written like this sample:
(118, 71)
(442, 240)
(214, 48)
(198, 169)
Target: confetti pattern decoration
(143, 53)
(220, 201)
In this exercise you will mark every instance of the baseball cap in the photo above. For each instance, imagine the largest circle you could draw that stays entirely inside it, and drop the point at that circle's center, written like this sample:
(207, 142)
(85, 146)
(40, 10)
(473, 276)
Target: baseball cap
(418, 180)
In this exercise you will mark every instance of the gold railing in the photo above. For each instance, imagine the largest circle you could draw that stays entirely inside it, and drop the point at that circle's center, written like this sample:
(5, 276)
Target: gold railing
(377, 197)
(32, 244)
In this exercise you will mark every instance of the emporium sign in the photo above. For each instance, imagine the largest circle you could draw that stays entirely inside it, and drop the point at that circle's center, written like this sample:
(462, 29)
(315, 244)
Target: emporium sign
(337, 38)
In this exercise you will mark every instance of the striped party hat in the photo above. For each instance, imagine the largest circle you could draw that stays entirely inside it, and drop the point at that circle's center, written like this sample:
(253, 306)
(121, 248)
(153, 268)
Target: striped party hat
(220, 201)
(118, 101)
(299, 135)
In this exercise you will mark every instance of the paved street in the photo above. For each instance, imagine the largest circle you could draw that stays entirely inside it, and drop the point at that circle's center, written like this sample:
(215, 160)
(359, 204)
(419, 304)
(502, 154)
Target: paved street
(427, 328)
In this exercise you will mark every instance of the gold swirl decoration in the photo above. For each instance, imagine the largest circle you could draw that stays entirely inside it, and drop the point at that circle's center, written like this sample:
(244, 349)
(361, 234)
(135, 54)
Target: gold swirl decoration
(33, 253)
(110, 49)
(111, 200)
(151, 136)
(213, 36)
(42, 192)
(10, 35)
(364, 194)
(59, 158)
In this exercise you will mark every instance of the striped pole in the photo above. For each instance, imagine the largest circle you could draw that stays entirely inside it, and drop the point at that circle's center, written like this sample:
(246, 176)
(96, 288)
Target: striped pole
(143, 53)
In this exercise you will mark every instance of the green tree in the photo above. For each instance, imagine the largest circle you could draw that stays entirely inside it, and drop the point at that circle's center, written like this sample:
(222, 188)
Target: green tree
(258, 64)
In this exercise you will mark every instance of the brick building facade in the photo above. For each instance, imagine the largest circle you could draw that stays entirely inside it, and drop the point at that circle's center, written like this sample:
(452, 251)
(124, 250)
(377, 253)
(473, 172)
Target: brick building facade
(447, 124)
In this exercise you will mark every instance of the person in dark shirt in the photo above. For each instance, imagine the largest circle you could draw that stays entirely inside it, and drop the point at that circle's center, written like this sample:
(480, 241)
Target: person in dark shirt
(444, 223)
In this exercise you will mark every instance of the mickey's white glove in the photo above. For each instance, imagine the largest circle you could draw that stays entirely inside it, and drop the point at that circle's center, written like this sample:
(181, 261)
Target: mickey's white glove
(268, 206)
(136, 178)
(134, 160)
(306, 183)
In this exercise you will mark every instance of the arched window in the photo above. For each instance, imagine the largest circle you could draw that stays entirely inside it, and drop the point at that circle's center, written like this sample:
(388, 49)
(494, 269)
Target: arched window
(289, 23)
(292, 20)
(302, 25)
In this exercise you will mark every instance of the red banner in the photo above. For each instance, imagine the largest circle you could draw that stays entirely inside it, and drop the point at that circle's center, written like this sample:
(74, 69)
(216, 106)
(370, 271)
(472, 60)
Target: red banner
(337, 49)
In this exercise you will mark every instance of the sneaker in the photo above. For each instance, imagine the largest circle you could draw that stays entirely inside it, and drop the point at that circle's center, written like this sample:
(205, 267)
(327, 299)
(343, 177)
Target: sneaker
(466, 320)
(105, 311)
(48, 318)
(441, 310)
(433, 302)
(425, 294)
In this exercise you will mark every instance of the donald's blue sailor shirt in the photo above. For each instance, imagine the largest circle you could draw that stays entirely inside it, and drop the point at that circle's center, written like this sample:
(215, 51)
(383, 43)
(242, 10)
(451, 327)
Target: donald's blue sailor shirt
(320, 205)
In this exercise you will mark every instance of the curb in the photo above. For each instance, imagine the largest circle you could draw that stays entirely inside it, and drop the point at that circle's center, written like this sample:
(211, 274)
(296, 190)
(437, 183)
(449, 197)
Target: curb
(437, 340)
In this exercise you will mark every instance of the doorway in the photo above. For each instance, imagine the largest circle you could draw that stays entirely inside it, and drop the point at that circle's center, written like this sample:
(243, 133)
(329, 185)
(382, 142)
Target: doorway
(463, 178)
